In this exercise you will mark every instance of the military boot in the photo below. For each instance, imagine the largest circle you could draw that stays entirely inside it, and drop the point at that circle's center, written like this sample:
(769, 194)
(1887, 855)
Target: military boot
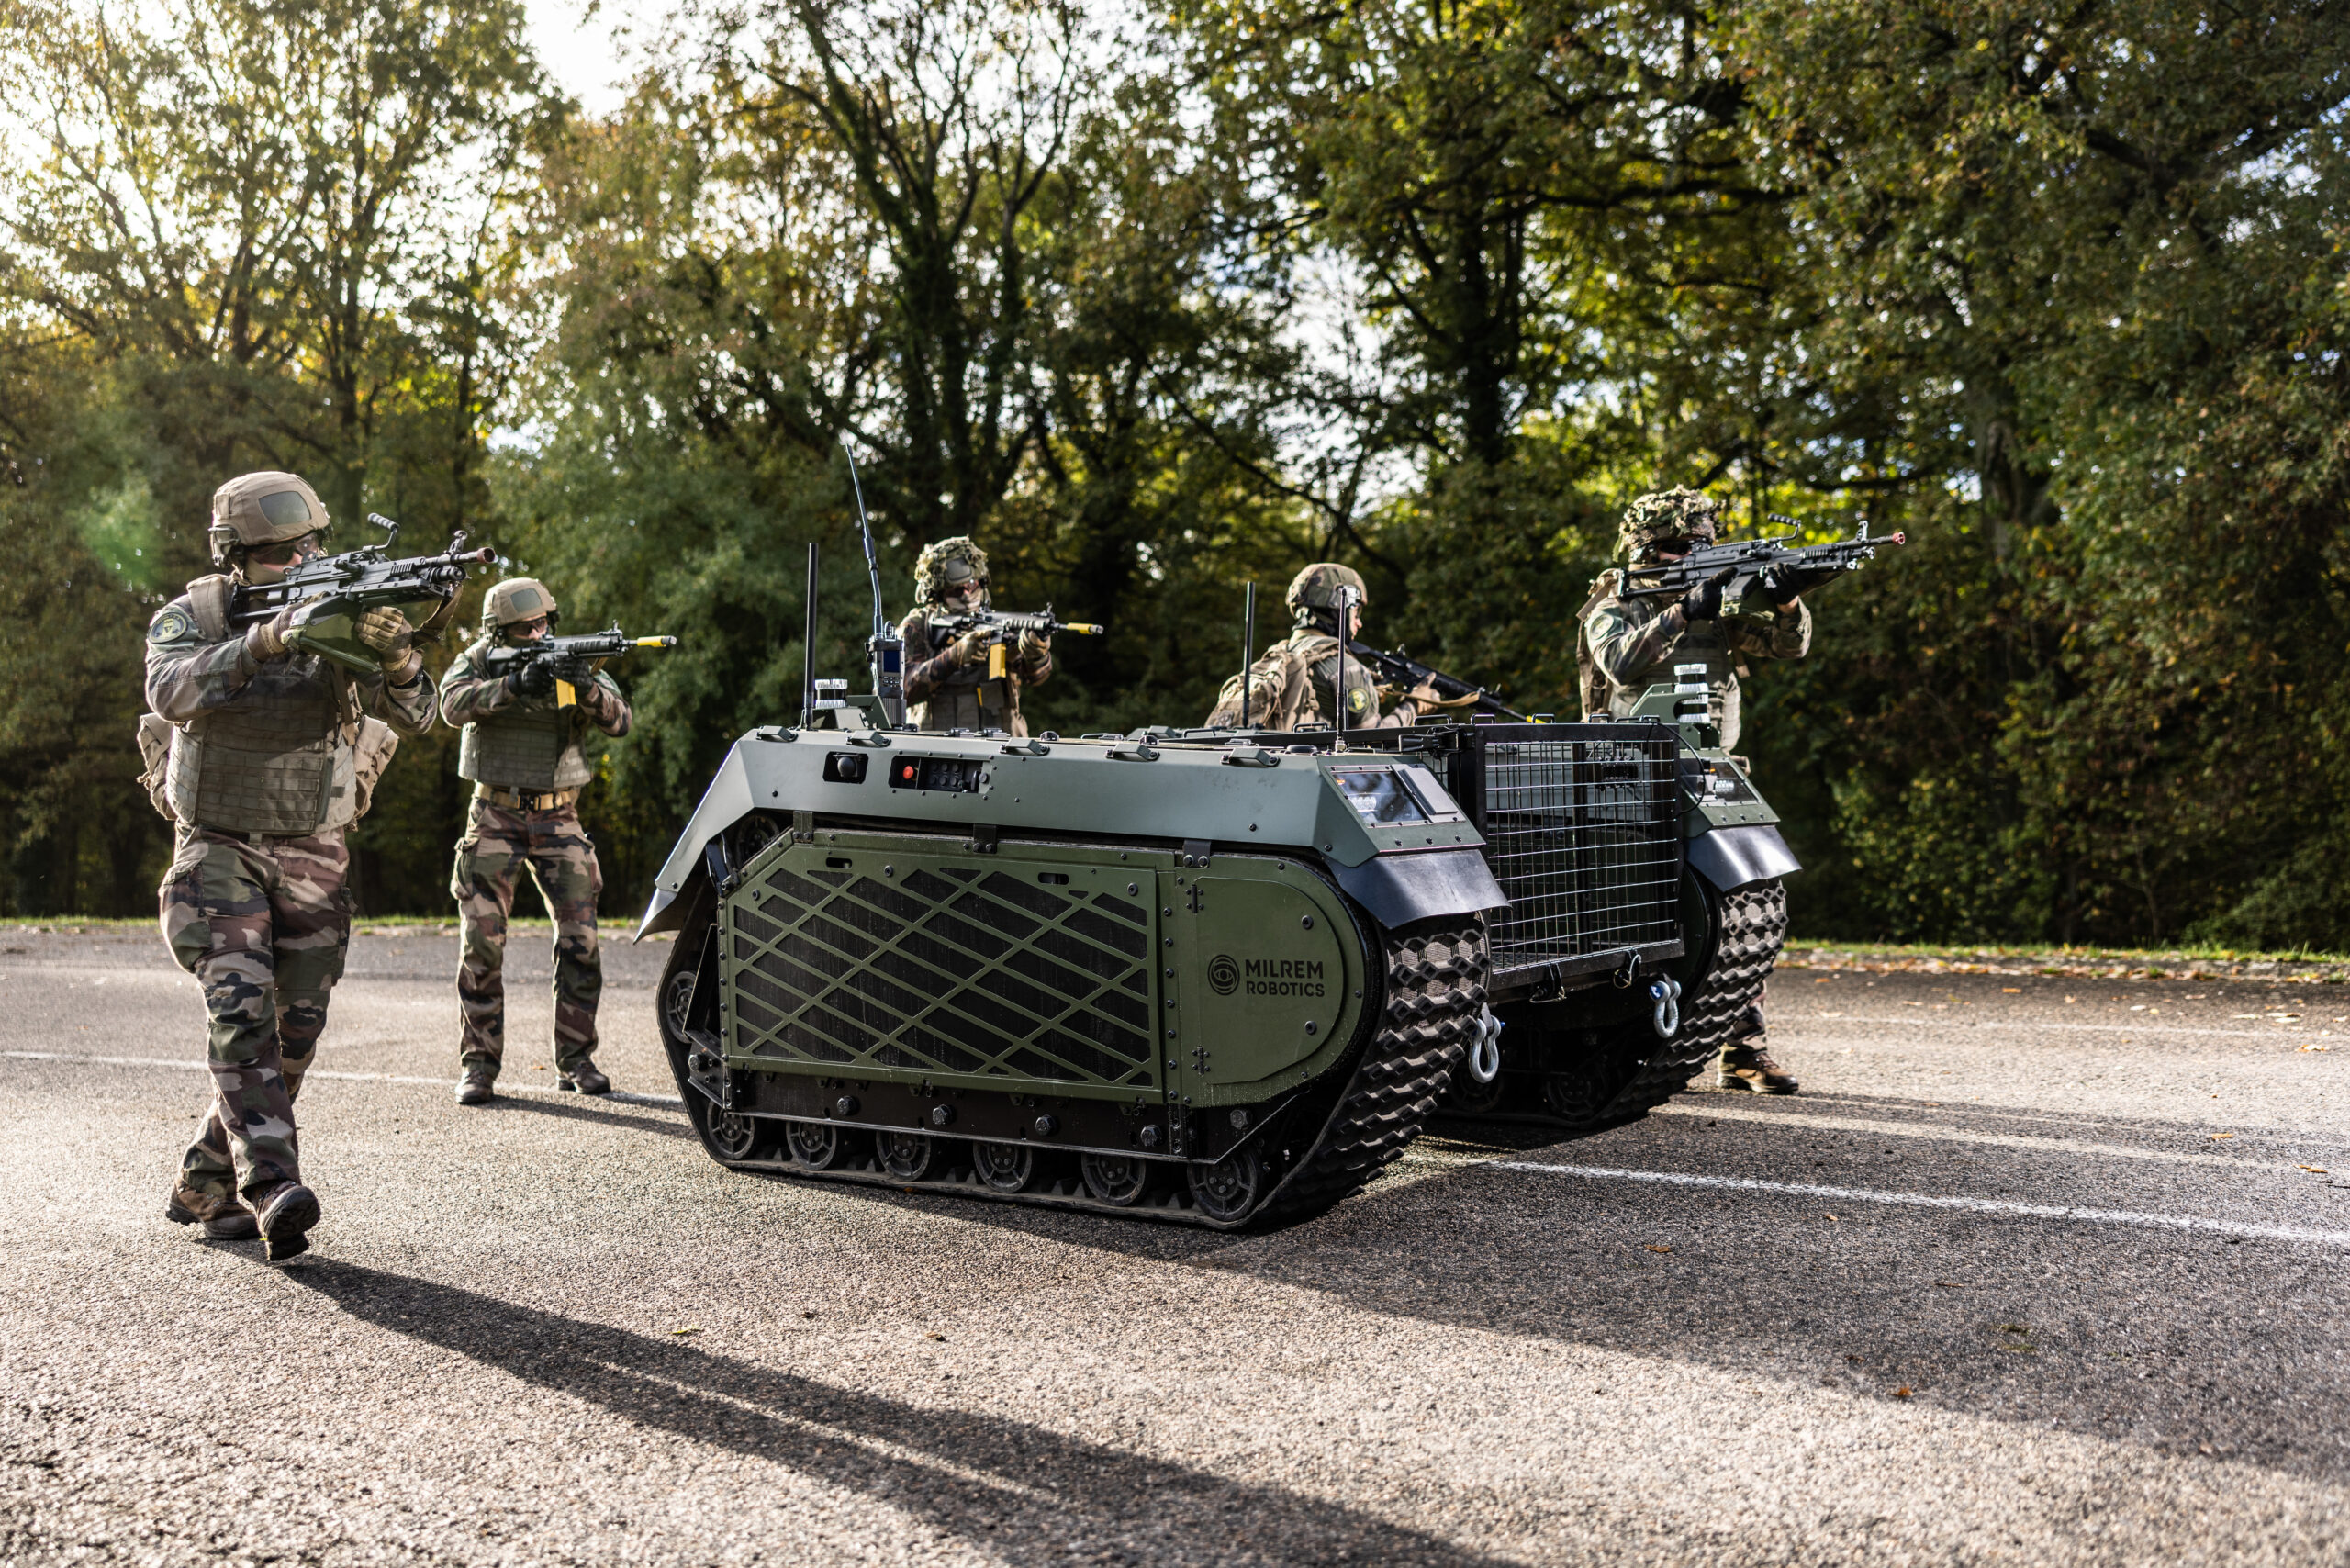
(474, 1088)
(223, 1219)
(286, 1215)
(585, 1080)
(1748, 1065)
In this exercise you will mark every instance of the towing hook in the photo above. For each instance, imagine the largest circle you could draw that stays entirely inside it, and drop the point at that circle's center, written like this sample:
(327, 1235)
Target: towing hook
(1666, 994)
(1486, 1046)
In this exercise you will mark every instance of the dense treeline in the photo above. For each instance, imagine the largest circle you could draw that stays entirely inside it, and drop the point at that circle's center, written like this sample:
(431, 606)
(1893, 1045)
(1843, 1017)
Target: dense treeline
(1160, 303)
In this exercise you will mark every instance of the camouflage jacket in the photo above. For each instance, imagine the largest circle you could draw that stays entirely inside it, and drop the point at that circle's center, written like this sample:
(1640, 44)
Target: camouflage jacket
(940, 698)
(189, 676)
(1630, 644)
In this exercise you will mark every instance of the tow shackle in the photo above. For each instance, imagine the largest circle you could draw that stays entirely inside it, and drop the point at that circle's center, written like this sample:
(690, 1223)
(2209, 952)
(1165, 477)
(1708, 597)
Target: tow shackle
(1666, 994)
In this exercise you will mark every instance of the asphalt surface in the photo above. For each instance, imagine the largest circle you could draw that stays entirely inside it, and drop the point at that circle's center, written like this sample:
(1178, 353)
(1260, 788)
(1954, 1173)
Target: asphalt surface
(2035, 1271)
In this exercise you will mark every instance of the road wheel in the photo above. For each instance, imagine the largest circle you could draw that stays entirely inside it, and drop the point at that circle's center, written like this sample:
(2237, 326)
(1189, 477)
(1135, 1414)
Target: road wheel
(1231, 1187)
(909, 1157)
(1005, 1167)
(1119, 1178)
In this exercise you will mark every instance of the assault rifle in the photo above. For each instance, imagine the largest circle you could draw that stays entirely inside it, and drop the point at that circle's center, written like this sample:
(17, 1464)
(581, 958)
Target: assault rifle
(1009, 622)
(1399, 668)
(1746, 559)
(334, 591)
(574, 658)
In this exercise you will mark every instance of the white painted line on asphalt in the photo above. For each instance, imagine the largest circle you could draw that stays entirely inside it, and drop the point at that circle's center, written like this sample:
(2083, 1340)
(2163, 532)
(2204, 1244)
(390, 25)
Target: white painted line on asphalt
(1952, 1134)
(1933, 1201)
(1916, 1018)
(669, 1102)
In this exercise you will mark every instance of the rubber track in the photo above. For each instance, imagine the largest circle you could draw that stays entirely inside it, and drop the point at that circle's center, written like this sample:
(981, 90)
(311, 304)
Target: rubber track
(1436, 984)
(1437, 971)
(1754, 928)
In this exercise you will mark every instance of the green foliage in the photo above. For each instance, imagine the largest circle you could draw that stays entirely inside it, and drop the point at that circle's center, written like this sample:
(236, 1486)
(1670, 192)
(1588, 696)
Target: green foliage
(1436, 291)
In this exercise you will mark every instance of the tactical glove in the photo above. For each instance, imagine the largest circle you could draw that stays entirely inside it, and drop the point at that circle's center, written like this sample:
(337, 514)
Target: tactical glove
(1034, 646)
(1787, 582)
(1703, 599)
(535, 678)
(387, 632)
(266, 640)
(970, 645)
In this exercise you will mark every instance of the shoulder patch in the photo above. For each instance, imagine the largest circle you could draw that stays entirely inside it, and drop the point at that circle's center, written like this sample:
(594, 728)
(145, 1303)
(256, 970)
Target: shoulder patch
(171, 624)
(1357, 702)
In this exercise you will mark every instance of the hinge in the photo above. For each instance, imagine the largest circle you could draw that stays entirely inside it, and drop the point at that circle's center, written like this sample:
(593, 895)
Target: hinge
(803, 827)
(1195, 852)
(982, 839)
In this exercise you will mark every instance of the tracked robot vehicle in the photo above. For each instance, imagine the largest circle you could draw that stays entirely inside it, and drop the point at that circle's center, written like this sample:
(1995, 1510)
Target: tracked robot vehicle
(1199, 976)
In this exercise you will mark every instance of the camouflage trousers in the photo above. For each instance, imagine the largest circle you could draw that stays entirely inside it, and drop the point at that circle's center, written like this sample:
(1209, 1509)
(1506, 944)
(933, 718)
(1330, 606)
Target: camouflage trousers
(501, 843)
(264, 926)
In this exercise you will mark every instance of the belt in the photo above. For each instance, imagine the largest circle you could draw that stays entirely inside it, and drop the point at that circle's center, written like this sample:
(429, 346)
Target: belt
(523, 800)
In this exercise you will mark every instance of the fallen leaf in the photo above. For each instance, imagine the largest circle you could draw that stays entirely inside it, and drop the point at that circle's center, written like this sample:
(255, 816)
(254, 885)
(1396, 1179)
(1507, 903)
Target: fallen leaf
(1948, 1284)
(1901, 1393)
(1823, 980)
(1654, 1248)
(939, 1337)
(1831, 1216)
(2011, 990)
(2216, 1136)
(688, 1329)
(2312, 1048)
(2315, 1169)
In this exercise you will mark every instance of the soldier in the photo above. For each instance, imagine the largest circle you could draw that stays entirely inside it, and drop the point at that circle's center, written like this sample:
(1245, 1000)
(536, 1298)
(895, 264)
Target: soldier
(948, 683)
(1295, 683)
(1630, 645)
(521, 751)
(270, 759)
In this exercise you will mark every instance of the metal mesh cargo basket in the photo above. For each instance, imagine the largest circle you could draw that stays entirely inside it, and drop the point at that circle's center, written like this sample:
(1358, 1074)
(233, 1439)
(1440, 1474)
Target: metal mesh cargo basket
(1582, 825)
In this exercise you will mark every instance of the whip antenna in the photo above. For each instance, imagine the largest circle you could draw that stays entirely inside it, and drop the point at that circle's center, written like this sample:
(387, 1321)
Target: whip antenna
(886, 647)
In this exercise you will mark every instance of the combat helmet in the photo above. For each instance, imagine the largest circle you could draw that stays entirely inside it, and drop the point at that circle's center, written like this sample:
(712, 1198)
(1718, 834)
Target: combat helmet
(948, 566)
(518, 599)
(1315, 589)
(267, 508)
(1666, 514)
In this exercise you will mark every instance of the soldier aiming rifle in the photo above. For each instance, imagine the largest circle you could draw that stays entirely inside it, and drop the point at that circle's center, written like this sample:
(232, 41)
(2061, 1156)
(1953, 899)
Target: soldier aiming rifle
(274, 690)
(966, 664)
(525, 701)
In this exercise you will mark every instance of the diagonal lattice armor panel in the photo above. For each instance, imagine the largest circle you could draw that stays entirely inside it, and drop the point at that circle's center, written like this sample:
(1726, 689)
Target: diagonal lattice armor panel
(903, 964)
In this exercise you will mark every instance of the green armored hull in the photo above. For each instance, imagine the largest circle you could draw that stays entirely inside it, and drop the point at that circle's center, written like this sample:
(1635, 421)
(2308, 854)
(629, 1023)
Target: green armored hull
(1215, 983)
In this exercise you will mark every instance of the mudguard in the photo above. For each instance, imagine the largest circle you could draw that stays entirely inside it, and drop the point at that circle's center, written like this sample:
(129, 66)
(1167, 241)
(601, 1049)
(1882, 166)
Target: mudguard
(1734, 858)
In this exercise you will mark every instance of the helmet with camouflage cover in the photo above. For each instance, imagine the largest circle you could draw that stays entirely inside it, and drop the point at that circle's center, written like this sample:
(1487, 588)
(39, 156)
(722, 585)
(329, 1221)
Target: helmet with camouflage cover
(515, 599)
(1666, 514)
(1316, 588)
(267, 508)
(950, 566)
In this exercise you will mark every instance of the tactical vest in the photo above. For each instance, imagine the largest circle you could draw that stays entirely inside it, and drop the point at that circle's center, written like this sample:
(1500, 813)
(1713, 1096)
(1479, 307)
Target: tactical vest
(531, 745)
(1705, 642)
(279, 761)
(966, 699)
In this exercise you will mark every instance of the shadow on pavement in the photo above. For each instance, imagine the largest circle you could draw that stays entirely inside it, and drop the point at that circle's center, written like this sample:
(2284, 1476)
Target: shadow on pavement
(2182, 1343)
(1031, 1483)
(574, 1108)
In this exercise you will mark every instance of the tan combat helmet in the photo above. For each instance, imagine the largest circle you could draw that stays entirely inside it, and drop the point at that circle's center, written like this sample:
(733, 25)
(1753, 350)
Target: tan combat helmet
(518, 599)
(1666, 514)
(1316, 588)
(268, 507)
(949, 566)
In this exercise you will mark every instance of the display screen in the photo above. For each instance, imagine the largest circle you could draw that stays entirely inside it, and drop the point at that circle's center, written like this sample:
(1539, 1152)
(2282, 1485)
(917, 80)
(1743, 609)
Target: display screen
(1378, 796)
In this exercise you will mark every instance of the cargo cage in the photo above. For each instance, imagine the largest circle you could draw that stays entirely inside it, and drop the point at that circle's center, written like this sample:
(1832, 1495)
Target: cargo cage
(1583, 829)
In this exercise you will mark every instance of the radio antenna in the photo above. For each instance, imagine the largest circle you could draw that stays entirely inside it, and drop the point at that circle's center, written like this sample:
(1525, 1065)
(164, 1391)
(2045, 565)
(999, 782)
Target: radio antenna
(885, 646)
(1247, 649)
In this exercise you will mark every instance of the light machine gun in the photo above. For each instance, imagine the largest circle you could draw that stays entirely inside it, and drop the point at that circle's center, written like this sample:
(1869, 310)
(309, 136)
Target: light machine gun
(1005, 624)
(573, 658)
(333, 592)
(1401, 669)
(1746, 560)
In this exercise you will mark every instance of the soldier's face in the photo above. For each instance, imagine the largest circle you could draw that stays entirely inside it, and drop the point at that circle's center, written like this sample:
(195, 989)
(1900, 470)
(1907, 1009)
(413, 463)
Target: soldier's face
(270, 562)
(1354, 621)
(960, 597)
(1673, 550)
(528, 631)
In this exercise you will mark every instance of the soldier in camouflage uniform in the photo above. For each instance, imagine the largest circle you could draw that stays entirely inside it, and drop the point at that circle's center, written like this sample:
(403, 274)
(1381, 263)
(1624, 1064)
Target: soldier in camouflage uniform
(264, 772)
(947, 684)
(1630, 644)
(521, 750)
(1296, 682)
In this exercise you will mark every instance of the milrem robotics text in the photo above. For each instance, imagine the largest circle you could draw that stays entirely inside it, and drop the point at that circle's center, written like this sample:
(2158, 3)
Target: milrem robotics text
(1284, 977)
